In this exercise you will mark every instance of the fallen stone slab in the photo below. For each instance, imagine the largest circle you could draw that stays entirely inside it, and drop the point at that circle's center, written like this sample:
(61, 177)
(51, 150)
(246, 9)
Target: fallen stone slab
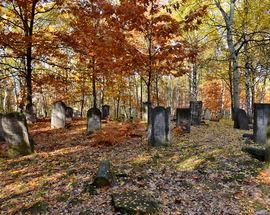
(257, 153)
(134, 203)
(104, 175)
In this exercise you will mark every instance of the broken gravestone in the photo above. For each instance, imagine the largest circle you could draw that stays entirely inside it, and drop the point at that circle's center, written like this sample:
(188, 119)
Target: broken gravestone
(93, 120)
(183, 119)
(159, 127)
(15, 133)
(261, 113)
(69, 113)
(196, 112)
(131, 202)
(241, 120)
(104, 175)
(58, 118)
(105, 112)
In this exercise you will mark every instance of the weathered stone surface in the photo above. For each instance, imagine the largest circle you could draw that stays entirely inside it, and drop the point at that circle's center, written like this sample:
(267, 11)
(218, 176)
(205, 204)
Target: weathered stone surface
(104, 175)
(30, 114)
(241, 120)
(183, 119)
(16, 134)
(58, 118)
(1, 129)
(261, 113)
(134, 203)
(196, 112)
(105, 111)
(207, 114)
(69, 113)
(93, 120)
(159, 127)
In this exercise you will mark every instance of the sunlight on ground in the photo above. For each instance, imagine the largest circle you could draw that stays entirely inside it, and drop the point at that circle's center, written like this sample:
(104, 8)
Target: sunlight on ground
(190, 163)
(141, 159)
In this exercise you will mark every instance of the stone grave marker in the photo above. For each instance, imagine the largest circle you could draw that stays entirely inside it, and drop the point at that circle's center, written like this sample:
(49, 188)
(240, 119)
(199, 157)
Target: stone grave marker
(105, 111)
(241, 120)
(69, 113)
(58, 118)
(183, 119)
(30, 114)
(261, 113)
(196, 112)
(207, 114)
(93, 120)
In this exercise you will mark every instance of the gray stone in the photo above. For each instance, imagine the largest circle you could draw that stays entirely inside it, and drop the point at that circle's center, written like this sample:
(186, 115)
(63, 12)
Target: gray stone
(134, 203)
(104, 175)
(159, 127)
(16, 134)
(93, 120)
(196, 112)
(30, 114)
(105, 111)
(261, 113)
(69, 113)
(1, 129)
(183, 119)
(58, 118)
(241, 120)
(207, 114)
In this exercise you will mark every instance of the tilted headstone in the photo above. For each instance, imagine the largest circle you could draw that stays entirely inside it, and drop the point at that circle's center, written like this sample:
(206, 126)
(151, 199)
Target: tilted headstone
(105, 111)
(207, 114)
(196, 112)
(16, 134)
(69, 113)
(58, 118)
(159, 127)
(30, 113)
(93, 120)
(241, 120)
(1, 129)
(183, 119)
(261, 113)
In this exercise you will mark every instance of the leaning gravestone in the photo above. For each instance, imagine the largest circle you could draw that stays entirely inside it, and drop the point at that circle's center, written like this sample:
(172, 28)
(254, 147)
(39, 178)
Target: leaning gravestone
(241, 120)
(105, 111)
(261, 113)
(93, 120)
(159, 127)
(196, 112)
(58, 118)
(183, 119)
(207, 114)
(69, 113)
(16, 134)
(30, 113)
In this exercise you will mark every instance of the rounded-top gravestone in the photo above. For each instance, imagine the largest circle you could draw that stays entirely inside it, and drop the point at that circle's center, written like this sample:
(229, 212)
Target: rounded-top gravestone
(261, 113)
(93, 120)
(105, 111)
(207, 114)
(159, 127)
(183, 119)
(16, 134)
(58, 118)
(241, 120)
(30, 113)
(69, 113)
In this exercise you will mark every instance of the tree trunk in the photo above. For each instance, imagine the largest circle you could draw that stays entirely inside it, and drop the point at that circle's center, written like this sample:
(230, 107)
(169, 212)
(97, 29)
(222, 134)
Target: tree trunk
(157, 92)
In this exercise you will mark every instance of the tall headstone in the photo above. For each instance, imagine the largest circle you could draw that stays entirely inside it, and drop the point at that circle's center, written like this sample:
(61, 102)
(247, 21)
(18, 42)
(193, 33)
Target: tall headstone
(241, 120)
(183, 119)
(69, 113)
(196, 112)
(207, 114)
(16, 134)
(93, 120)
(159, 127)
(58, 118)
(105, 111)
(261, 113)
(30, 113)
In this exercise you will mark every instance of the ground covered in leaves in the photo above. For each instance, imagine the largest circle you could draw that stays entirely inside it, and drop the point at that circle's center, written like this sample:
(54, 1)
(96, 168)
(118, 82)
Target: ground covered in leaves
(203, 172)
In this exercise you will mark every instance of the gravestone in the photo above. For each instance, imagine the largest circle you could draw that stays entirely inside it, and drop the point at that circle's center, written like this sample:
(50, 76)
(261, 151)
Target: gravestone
(1, 129)
(261, 113)
(69, 113)
(93, 120)
(30, 113)
(159, 127)
(241, 120)
(16, 134)
(58, 118)
(183, 119)
(104, 175)
(196, 112)
(207, 114)
(105, 111)
(146, 106)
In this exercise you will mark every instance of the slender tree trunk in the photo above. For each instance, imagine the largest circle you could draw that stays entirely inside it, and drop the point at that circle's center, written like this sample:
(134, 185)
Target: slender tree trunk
(141, 99)
(157, 91)
(231, 89)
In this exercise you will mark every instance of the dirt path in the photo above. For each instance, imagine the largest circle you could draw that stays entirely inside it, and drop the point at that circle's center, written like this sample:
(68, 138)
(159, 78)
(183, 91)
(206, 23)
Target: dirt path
(203, 172)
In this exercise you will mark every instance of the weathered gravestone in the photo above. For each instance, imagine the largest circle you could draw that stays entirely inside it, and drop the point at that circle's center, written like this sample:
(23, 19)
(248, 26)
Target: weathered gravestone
(207, 114)
(69, 113)
(196, 112)
(93, 120)
(58, 118)
(105, 111)
(159, 127)
(30, 113)
(241, 120)
(16, 134)
(183, 119)
(1, 129)
(261, 113)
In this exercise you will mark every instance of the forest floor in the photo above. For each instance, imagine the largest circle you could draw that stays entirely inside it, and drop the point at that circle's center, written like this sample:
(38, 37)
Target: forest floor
(204, 172)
